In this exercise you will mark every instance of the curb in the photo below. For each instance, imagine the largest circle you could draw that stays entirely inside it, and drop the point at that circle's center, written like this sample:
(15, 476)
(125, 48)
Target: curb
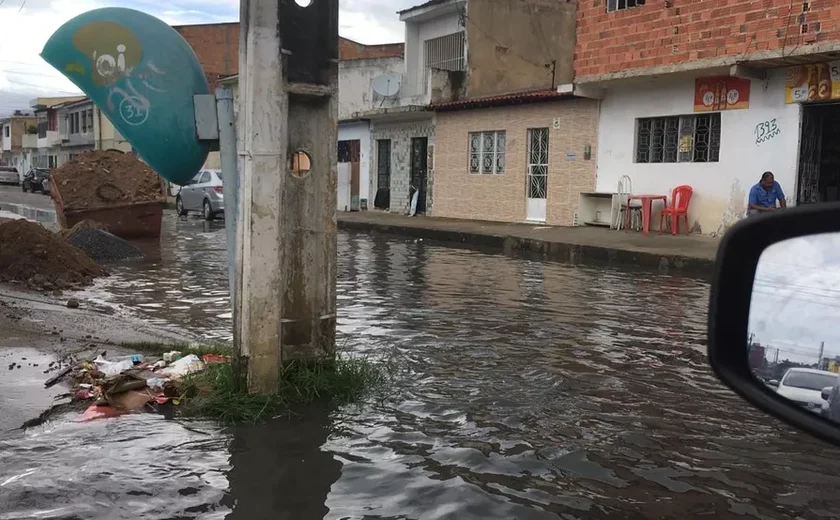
(555, 251)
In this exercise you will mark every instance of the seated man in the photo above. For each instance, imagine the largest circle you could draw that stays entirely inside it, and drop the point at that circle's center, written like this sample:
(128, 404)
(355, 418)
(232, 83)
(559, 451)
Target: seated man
(763, 196)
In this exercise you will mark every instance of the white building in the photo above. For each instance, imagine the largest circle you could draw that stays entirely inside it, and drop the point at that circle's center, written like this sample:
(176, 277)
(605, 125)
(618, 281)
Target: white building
(653, 131)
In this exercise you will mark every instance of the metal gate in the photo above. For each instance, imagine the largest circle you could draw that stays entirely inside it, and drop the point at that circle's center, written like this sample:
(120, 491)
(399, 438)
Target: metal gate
(419, 151)
(810, 149)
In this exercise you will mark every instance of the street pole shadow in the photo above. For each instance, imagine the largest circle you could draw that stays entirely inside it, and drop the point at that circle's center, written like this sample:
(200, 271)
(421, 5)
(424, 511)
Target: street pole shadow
(278, 469)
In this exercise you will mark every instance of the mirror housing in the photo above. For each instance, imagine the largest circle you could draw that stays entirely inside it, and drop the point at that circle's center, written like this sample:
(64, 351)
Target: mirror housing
(729, 307)
(826, 393)
(773, 382)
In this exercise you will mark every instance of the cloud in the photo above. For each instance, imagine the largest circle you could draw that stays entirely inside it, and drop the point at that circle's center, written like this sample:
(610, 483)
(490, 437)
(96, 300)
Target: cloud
(796, 296)
(26, 30)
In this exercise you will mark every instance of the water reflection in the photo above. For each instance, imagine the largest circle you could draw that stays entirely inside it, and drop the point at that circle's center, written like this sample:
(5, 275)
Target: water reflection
(524, 390)
(280, 467)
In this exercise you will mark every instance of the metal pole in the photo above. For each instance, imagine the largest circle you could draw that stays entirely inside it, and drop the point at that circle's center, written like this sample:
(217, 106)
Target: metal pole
(822, 349)
(230, 179)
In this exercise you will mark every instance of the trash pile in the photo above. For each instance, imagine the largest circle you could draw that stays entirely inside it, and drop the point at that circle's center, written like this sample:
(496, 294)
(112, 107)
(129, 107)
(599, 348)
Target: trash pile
(104, 178)
(31, 254)
(131, 383)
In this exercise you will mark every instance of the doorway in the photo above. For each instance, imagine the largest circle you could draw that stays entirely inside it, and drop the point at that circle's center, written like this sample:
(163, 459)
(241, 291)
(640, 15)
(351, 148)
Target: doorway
(419, 172)
(349, 174)
(383, 174)
(819, 154)
(537, 181)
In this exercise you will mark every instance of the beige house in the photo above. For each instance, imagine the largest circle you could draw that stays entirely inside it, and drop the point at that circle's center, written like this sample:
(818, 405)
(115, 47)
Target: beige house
(515, 158)
(105, 136)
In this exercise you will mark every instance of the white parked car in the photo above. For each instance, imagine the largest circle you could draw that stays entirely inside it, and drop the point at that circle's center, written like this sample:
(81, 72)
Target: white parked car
(204, 194)
(9, 175)
(804, 387)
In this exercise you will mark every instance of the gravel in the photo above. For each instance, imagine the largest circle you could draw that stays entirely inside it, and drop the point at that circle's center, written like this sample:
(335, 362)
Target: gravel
(103, 247)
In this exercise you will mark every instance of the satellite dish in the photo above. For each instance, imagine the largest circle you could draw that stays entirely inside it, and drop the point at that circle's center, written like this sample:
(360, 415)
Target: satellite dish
(386, 85)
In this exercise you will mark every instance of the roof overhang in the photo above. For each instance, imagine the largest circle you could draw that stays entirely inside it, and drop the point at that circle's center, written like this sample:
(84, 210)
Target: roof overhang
(749, 65)
(430, 10)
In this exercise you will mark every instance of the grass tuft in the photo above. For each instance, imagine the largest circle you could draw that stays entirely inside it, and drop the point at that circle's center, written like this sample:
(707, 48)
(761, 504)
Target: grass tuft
(215, 394)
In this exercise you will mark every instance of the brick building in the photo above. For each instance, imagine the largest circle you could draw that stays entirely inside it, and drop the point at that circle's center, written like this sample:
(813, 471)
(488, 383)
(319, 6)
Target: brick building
(217, 48)
(711, 94)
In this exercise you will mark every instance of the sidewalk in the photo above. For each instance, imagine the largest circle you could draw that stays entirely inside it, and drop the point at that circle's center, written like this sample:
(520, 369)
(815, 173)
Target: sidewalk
(683, 253)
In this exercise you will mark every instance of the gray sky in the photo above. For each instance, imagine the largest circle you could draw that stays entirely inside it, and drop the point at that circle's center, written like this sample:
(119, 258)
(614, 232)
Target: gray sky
(23, 32)
(796, 297)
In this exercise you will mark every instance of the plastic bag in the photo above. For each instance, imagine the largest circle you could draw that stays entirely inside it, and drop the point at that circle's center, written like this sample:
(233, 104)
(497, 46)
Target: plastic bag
(186, 365)
(113, 368)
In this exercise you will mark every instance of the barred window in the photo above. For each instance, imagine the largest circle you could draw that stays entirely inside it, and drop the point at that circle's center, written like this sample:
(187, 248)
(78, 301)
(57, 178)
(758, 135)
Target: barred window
(694, 138)
(487, 152)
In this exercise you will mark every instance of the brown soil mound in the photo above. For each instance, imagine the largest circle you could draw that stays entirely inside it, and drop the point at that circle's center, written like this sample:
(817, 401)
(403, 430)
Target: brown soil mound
(105, 178)
(84, 224)
(31, 254)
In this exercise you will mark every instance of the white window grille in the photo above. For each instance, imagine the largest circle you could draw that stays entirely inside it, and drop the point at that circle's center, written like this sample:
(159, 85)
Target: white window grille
(487, 152)
(537, 163)
(446, 52)
(690, 138)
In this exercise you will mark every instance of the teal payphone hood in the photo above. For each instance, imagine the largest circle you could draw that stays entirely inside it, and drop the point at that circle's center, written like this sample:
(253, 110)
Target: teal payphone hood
(142, 75)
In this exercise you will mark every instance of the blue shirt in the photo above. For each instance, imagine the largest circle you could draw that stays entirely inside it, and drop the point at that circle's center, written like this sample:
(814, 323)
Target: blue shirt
(764, 198)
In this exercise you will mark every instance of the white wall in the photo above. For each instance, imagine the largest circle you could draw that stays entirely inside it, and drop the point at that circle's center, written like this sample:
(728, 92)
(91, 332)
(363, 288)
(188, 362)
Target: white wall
(355, 93)
(360, 131)
(721, 188)
(7, 141)
(418, 32)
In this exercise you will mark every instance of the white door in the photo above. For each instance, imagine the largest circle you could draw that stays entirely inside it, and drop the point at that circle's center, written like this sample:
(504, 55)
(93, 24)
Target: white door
(537, 180)
(344, 198)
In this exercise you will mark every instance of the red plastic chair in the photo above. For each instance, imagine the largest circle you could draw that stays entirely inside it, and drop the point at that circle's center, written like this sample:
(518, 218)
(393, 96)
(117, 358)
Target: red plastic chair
(680, 198)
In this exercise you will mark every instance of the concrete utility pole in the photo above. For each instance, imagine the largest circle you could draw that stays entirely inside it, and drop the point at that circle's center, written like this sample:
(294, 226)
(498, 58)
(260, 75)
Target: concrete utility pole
(286, 232)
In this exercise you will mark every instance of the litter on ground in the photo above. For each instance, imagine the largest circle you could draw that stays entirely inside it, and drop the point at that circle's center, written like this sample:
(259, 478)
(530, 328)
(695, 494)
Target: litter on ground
(130, 383)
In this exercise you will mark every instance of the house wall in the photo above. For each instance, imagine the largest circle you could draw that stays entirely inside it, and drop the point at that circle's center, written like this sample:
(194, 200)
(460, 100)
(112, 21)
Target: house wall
(355, 93)
(720, 188)
(19, 126)
(105, 136)
(511, 43)
(653, 34)
(400, 133)
(418, 32)
(501, 197)
(360, 131)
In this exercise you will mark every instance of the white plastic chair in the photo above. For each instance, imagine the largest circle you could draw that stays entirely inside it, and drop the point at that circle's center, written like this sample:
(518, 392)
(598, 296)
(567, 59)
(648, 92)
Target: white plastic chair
(624, 190)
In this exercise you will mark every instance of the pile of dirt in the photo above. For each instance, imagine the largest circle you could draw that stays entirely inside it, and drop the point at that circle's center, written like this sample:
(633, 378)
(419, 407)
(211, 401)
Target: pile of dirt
(31, 254)
(105, 178)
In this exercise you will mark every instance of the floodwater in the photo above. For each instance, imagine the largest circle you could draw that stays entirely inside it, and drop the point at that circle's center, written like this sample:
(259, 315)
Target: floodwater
(523, 389)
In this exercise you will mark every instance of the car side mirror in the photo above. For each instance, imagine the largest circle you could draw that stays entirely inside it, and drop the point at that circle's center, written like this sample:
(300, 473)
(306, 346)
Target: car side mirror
(826, 392)
(773, 304)
(773, 383)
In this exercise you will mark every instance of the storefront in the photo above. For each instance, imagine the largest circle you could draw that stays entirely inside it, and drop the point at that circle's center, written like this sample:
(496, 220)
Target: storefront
(817, 88)
(715, 134)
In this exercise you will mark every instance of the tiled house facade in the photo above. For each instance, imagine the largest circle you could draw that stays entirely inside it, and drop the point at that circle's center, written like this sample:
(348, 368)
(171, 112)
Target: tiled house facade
(399, 136)
(497, 195)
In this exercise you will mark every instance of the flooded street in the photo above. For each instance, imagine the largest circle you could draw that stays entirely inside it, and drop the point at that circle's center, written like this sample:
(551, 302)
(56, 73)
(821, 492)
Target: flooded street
(522, 389)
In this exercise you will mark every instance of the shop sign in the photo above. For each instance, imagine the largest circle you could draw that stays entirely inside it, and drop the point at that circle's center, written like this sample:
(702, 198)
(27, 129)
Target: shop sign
(813, 82)
(721, 93)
